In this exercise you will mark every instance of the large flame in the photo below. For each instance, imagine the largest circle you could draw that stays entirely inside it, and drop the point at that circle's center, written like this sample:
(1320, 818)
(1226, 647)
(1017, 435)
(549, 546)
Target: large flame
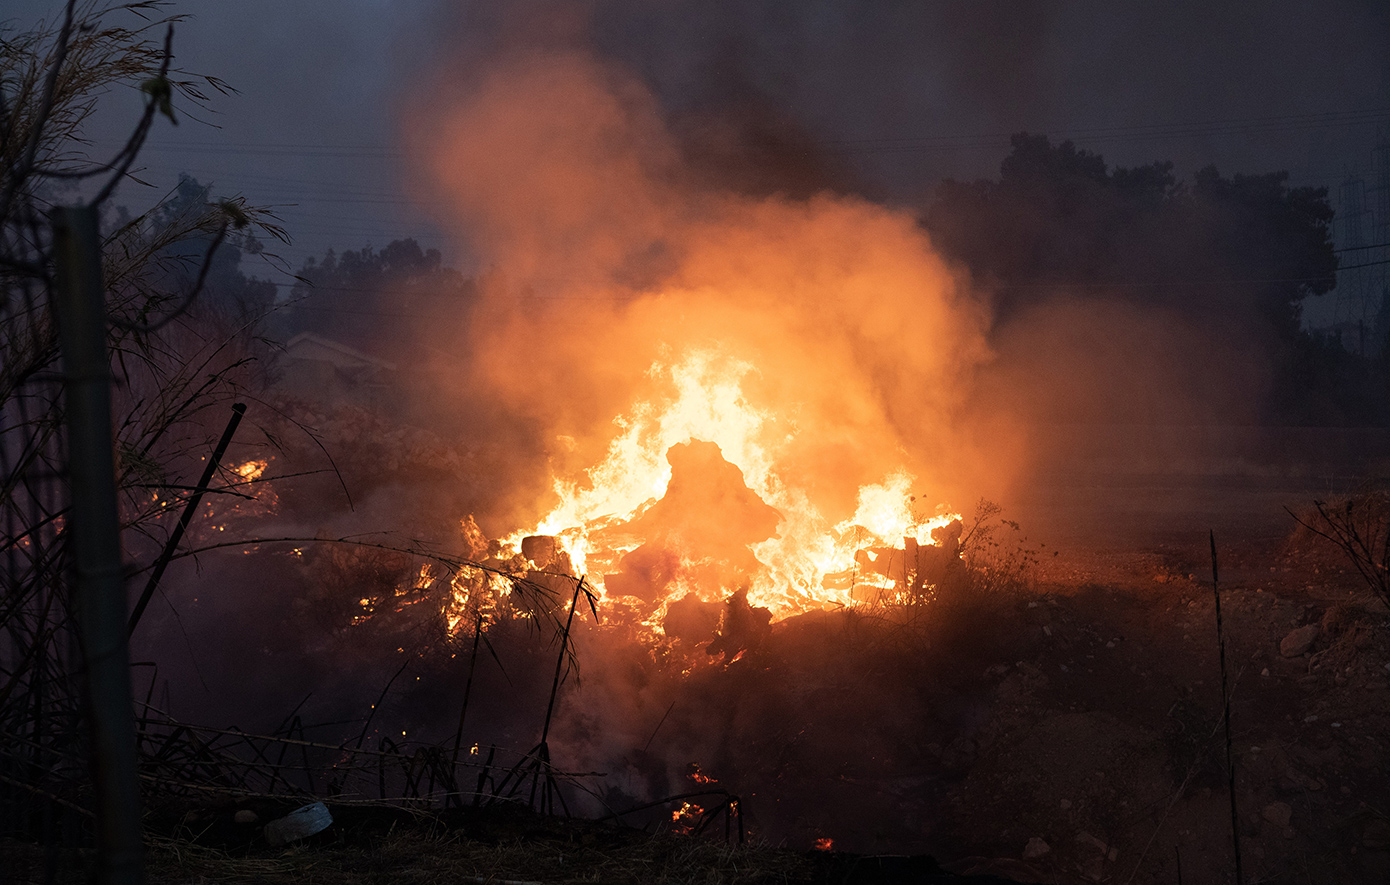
(705, 402)
(640, 318)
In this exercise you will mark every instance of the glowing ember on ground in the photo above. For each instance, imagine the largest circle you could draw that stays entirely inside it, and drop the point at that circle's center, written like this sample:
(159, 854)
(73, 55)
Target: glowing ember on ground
(686, 817)
(694, 773)
(250, 471)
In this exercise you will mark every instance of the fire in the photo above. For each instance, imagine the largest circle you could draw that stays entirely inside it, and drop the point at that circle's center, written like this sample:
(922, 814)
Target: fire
(694, 773)
(742, 392)
(648, 535)
(252, 470)
(686, 817)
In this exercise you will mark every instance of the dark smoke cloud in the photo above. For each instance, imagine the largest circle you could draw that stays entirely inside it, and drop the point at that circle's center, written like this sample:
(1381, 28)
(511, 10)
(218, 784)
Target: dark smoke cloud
(907, 90)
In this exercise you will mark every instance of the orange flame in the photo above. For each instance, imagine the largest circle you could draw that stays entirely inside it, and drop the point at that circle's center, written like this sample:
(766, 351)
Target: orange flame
(822, 345)
(706, 400)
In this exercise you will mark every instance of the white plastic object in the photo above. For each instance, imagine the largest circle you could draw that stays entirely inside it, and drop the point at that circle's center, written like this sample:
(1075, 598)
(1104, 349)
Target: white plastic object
(301, 823)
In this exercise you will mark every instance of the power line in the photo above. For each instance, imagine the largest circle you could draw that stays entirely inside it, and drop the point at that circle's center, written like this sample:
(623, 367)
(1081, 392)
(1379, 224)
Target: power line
(864, 145)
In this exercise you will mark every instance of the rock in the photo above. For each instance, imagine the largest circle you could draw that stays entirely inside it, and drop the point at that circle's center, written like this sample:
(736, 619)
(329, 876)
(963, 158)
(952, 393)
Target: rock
(1084, 838)
(959, 753)
(1277, 813)
(1299, 640)
(1035, 848)
(1376, 836)
(996, 869)
(245, 816)
(1093, 869)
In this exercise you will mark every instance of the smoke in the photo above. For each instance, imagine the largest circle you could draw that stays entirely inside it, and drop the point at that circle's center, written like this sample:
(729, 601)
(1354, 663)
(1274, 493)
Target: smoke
(613, 161)
(610, 257)
(647, 188)
(911, 92)
(615, 255)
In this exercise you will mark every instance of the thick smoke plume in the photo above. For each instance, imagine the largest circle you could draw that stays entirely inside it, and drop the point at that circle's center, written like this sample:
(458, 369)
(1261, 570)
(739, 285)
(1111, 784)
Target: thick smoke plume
(607, 259)
(617, 276)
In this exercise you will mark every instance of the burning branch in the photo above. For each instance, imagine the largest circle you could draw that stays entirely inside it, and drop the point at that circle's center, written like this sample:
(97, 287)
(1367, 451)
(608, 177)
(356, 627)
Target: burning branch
(536, 763)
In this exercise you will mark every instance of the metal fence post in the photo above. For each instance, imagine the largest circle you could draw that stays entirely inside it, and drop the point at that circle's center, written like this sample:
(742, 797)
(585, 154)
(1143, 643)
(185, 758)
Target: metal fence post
(98, 579)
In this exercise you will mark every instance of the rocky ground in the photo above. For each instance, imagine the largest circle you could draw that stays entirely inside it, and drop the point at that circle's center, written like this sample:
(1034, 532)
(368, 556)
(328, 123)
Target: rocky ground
(1104, 754)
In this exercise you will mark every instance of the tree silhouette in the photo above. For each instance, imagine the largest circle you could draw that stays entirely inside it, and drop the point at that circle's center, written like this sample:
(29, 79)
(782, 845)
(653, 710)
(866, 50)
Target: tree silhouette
(1237, 254)
(375, 301)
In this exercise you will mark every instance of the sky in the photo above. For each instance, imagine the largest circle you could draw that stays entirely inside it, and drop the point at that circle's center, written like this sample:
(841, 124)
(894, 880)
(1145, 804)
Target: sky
(905, 93)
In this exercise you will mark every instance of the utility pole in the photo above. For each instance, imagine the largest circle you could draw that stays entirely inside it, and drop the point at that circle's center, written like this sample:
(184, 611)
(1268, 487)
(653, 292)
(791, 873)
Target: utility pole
(98, 588)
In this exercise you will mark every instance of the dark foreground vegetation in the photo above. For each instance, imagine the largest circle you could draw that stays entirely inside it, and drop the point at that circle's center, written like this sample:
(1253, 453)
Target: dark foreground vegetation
(1046, 719)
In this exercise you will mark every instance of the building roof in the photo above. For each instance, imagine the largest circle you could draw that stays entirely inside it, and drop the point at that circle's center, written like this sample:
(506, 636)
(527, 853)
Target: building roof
(308, 346)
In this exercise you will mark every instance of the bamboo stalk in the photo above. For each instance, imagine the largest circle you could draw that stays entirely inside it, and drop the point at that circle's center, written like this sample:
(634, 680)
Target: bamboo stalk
(99, 578)
(467, 691)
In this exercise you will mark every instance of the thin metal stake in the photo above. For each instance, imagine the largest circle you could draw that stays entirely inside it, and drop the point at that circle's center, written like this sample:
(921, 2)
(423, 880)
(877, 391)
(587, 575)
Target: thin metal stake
(1226, 712)
(238, 409)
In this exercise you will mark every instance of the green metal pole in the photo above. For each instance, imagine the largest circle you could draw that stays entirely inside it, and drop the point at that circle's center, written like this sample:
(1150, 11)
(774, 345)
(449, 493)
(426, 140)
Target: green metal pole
(98, 589)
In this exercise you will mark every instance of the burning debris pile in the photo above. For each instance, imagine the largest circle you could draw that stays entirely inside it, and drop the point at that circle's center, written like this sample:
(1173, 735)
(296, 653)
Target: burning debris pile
(750, 406)
(687, 567)
(745, 413)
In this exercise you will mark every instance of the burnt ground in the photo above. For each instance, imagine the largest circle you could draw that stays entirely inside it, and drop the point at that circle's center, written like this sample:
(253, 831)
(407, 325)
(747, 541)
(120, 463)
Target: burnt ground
(1063, 727)
(1068, 727)
(1085, 709)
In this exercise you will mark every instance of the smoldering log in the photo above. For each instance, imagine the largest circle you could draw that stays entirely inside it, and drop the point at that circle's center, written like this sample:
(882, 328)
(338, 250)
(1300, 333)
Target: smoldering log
(690, 619)
(913, 566)
(742, 626)
(708, 515)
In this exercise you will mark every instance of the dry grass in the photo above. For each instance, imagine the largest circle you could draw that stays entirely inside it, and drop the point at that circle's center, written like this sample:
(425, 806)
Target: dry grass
(586, 854)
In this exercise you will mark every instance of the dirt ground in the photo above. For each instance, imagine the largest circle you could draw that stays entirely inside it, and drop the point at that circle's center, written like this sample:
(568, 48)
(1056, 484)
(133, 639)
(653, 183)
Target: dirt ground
(1088, 742)
(1065, 729)
(1072, 732)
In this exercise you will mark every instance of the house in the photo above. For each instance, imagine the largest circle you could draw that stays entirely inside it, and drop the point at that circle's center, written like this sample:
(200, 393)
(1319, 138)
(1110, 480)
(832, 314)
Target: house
(321, 370)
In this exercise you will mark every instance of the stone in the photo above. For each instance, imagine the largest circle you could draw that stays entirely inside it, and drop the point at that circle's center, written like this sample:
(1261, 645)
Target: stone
(1299, 640)
(1278, 813)
(959, 753)
(1090, 841)
(1376, 836)
(1093, 869)
(245, 816)
(1035, 848)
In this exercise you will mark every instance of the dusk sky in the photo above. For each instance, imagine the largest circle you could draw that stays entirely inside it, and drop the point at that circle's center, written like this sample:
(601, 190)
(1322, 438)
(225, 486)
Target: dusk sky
(906, 93)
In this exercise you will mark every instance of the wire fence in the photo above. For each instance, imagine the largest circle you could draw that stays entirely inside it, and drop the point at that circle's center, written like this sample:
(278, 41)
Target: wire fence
(43, 763)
